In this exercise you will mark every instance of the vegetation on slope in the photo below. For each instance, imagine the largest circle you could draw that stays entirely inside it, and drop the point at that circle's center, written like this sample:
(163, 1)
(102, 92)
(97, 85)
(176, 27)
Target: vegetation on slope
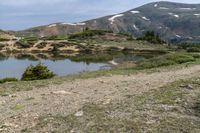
(151, 37)
(168, 59)
(4, 80)
(189, 47)
(88, 33)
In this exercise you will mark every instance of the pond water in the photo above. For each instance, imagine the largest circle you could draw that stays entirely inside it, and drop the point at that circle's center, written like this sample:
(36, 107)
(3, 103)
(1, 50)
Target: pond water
(12, 67)
(62, 66)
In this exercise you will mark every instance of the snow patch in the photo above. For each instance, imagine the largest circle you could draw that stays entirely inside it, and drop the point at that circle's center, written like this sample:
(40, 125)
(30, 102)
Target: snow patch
(156, 5)
(112, 19)
(187, 8)
(80, 23)
(163, 8)
(113, 63)
(178, 36)
(145, 18)
(68, 24)
(52, 25)
(196, 14)
(135, 27)
(73, 24)
(135, 12)
(175, 15)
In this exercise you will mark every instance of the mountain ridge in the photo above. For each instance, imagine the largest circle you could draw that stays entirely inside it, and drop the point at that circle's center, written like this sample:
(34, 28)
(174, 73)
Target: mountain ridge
(173, 21)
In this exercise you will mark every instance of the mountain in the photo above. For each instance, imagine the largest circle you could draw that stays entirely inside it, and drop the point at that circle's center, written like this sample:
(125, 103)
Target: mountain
(173, 21)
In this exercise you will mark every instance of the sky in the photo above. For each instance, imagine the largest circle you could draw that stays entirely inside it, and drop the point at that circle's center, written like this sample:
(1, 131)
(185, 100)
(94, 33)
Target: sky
(22, 14)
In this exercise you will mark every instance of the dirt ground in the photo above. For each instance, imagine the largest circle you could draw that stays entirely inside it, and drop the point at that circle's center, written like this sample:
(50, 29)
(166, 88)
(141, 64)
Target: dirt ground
(22, 109)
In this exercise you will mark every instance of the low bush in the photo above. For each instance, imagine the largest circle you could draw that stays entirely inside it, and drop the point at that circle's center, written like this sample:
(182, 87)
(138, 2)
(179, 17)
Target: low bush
(166, 60)
(4, 80)
(23, 44)
(55, 37)
(37, 72)
(4, 39)
(41, 45)
(26, 42)
(151, 37)
(88, 33)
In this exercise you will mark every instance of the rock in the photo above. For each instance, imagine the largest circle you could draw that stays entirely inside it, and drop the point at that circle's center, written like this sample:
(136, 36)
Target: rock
(62, 92)
(151, 122)
(147, 84)
(189, 87)
(13, 95)
(101, 81)
(178, 100)
(6, 125)
(72, 131)
(107, 101)
(2, 102)
(78, 114)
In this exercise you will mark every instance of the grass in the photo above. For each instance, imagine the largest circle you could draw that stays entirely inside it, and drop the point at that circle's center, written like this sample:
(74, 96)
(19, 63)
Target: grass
(4, 80)
(4, 39)
(167, 60)
(191, 59)
(17, 107)
(88, 33)
(172, 108)
(54, 38)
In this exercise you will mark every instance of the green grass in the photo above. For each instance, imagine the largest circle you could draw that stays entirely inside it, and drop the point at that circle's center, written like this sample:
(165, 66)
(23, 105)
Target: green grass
(17, 107)
(167, 60)
(4, 39)
(4, 80)
(54, 38)
(88, 33)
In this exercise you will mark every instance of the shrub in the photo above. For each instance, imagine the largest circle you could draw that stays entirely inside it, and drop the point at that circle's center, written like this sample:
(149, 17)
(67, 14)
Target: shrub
(86, 33)
(37, 72)
(166, 60)
(23, 44)
(8, 80)
(4, 39)
(151, 37)
(2, 46)
(180, 58)
(54, 37)
(41, 45)
(27, 42)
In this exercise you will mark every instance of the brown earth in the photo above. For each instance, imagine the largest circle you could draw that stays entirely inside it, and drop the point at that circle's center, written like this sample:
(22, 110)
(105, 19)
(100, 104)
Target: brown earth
(22, 109)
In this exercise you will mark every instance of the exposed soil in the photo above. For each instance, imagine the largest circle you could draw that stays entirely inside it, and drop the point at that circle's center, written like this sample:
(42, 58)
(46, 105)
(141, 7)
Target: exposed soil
(22, 109)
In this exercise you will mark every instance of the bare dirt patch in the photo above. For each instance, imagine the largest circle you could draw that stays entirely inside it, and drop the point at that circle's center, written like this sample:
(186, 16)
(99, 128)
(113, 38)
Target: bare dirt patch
(23, 109)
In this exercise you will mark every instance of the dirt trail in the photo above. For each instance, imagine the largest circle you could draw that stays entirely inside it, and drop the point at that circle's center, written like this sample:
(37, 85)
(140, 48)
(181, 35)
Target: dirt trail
(22, 109)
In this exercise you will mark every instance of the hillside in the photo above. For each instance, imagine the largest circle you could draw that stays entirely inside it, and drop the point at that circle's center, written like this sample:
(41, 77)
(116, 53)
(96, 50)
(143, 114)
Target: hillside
(173, 21)
(6, 36)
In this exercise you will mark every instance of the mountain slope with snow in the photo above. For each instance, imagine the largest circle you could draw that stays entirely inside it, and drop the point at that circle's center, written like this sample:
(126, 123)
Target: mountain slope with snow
(173, 21)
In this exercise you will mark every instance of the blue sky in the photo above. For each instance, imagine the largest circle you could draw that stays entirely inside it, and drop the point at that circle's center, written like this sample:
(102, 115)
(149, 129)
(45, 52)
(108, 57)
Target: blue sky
(21, 14)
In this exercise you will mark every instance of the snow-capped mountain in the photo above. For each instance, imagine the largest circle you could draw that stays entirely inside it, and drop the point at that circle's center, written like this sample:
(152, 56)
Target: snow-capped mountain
(173, 21)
